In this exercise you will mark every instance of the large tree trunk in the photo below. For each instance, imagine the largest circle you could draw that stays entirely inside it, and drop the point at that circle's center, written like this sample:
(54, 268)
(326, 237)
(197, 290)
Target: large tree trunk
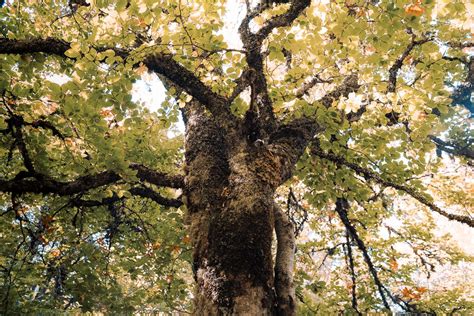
(230, 185)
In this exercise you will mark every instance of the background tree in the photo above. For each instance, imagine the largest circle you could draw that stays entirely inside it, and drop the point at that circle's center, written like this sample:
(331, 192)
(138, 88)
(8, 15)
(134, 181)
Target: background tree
(331, 120)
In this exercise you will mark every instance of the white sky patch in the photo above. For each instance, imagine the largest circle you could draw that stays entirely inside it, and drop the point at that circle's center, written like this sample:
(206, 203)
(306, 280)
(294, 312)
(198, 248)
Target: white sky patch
(235, 12)
(59, 79)
(149, 91)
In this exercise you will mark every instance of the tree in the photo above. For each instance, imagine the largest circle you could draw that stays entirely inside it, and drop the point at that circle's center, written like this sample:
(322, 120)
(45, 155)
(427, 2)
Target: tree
(343, 107)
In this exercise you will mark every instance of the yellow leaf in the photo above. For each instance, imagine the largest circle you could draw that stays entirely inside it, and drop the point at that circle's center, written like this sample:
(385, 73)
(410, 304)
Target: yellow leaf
(141, 69)
(74, 51)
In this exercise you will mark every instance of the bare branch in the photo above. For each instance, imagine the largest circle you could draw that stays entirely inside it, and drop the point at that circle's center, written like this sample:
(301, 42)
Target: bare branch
(453, 148)
(137, 191)
(458, 59)
(48, 185)
(353, 274)
(370, 175)
(241, 83)
(46, 125)
(310, 84)
(217, 104)
(350, 84)
(15, 123)
(290, 140)
(397, 65)
(293, 203)
(94, 203)
(341, 208)
(460, 44)
(49, 45)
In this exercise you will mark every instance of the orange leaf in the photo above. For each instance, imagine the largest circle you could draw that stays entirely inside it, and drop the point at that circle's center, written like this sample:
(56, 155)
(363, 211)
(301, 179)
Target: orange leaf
(187, 239)
(46, 220)
(407, 293)
(414, 9)
(416, 296)
(410, 294)
(105, 112)
(394, 265)
(421, 289)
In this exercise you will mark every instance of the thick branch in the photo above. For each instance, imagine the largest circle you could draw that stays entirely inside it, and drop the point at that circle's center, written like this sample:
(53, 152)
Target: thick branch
(82, 184)
(370, 175)
(49, 45)
(166, 66)
(45, 185)
(290, 140)
(296, 8)
(158, 178)
(260, 115)
(162, 64)
(284, 262)
(137, 191)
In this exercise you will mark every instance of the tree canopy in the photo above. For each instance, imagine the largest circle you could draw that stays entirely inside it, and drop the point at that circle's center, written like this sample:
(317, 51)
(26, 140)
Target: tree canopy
(93, 199)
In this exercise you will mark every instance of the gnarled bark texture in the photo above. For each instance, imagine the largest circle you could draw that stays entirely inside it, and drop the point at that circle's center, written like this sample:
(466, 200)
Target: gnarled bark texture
(230, 184)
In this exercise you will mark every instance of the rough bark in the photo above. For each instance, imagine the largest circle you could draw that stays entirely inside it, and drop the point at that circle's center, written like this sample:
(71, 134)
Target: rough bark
(230, 184)
(284, 263)
(231, 226)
